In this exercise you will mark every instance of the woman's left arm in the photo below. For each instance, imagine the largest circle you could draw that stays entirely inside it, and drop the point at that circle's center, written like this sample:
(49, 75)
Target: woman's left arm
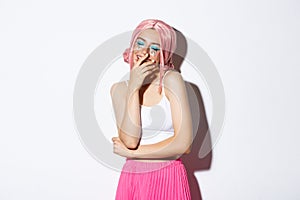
(178, 144)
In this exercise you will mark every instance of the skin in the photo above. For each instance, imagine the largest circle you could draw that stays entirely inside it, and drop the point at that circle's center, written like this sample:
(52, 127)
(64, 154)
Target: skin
(142, 89)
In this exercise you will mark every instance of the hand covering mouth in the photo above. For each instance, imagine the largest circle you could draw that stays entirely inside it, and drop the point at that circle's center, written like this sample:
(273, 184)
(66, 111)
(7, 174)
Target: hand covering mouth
(146, 60)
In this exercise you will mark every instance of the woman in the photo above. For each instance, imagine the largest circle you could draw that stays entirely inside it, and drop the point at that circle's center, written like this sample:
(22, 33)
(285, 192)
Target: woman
(152, 143)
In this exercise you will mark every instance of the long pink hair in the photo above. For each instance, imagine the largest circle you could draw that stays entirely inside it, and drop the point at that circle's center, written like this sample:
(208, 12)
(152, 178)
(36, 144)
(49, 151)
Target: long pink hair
(167, 37)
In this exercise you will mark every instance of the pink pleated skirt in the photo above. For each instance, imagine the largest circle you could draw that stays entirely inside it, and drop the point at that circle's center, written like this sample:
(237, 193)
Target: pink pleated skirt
(165, 180)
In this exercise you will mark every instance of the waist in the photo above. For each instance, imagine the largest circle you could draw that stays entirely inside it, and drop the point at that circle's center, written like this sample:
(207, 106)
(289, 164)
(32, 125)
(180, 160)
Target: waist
(142, 166)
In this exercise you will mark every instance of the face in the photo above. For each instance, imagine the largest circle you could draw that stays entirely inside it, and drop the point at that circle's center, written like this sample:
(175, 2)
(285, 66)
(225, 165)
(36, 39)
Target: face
(147, 42)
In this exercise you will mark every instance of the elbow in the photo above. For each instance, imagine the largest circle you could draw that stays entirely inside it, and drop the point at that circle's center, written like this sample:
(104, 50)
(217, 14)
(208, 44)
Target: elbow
(184, 150)
(188, 150)
(132, 145)
(185, 147)
(129, 141)
(188, 146)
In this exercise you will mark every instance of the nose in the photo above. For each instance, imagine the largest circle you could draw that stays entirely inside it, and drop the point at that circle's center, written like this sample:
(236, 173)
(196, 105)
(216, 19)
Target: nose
(145, 50)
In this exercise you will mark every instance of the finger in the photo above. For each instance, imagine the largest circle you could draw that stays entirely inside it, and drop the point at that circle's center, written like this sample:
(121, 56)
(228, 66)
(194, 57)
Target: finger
(117, 142)
(148, 63)
(150, 68)
(142, 59)
(148, 72)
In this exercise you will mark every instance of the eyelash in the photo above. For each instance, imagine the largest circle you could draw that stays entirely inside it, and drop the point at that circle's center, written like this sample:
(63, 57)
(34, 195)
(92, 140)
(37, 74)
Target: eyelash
(155, 48)
(140, 44)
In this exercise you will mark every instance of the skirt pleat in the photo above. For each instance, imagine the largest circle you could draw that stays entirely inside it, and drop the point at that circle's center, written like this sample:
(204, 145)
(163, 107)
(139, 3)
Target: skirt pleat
(153, 181)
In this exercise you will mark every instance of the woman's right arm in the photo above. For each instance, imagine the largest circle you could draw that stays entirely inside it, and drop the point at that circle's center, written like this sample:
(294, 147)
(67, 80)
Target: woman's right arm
(127, 112)
(126, 103)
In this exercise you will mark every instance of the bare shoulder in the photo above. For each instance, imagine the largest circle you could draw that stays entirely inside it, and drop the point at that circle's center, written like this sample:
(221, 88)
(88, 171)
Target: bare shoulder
(173, 81)
(172, 74)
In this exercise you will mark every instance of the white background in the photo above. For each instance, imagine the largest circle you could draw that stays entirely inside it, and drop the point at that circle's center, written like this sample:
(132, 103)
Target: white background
(253, 44)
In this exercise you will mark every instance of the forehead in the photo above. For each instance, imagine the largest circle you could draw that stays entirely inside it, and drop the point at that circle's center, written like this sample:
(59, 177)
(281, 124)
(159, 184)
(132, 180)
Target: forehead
(150, 35)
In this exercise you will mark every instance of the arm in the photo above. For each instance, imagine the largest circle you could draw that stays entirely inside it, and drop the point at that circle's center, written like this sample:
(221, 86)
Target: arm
(127, 111)
(180, 143)
(129, 118)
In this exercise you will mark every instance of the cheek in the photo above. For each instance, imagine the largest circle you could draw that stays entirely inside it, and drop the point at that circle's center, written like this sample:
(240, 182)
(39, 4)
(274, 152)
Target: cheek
(134, 57)
(156, 56)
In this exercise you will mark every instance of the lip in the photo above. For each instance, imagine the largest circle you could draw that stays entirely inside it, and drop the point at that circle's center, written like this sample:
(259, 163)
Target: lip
(140, 56)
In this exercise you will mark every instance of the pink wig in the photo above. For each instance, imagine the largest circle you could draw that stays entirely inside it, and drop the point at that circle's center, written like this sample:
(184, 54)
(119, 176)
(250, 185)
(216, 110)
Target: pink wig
(167, 37)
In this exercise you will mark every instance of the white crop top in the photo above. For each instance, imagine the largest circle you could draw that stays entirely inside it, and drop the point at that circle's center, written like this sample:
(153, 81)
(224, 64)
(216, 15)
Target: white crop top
(156, 121)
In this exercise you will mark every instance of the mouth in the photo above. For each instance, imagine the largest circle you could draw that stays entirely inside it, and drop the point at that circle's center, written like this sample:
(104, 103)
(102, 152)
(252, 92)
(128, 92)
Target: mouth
(139, 57)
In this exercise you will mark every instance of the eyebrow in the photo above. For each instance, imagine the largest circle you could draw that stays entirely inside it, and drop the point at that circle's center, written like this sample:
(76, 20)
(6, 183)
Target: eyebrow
(145, 40)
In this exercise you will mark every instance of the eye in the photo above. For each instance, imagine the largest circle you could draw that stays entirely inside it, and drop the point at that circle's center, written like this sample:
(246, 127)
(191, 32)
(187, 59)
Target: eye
(155, 48)
(140, 43)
